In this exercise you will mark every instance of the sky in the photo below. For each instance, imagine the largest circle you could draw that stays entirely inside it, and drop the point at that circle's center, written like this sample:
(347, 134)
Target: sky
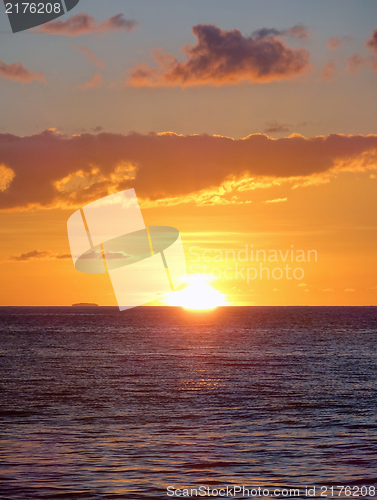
(247, 125)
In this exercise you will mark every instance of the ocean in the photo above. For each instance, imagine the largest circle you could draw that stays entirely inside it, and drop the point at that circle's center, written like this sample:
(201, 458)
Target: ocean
(155, 403)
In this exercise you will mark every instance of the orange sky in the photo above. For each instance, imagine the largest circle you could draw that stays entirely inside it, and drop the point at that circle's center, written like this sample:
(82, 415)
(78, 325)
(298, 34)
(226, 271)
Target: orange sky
(244, 153)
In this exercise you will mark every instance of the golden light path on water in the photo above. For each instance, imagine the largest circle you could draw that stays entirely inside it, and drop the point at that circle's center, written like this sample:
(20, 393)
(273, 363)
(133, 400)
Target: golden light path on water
(197, 295)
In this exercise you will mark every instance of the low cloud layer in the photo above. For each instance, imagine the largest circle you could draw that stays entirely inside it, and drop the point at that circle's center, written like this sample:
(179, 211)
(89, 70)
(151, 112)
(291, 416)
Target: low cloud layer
(84, 24)
(52, 170)
(18, 73)
(226, 57)
(38, 255)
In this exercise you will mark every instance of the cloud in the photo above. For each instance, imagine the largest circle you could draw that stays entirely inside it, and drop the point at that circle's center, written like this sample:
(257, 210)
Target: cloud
(97, 129)
(336, 41)
(298, 31)
(84, 24)
(90, 56)
(223, 58)
(53, 170)
(372, 42)
(274, 127)
(6, 177)
(276, 200)
(94, 83)
(38, 255)
(328, 71)
(18, 73)
(354, 63)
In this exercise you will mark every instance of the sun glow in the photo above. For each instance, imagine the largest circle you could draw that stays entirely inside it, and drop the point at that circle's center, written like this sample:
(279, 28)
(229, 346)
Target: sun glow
(198, 295)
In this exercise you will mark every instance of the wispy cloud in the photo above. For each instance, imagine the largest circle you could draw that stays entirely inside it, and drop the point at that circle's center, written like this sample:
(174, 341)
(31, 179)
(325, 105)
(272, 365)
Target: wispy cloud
(94, 83)
(38, 255)
(84, 24)
(275, 127)
(223, 57)
(336, 41)
(355, 63)
(328, 71)
(276, 200)
(18, 73)
(90, 56)
(298, 31)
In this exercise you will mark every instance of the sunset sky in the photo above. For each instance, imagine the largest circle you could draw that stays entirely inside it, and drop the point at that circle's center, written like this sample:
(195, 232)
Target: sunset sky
(245, 124)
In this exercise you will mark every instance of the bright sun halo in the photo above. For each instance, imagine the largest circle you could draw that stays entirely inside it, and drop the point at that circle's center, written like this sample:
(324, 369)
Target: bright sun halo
(198, 295)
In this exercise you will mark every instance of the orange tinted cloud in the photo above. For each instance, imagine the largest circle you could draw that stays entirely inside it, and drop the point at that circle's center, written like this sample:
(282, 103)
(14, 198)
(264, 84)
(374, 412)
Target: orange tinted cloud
(19, 73)
(334, 42)
(54, 170)
(94, 83)
(328, 71)
(354, 63)
(90, 56)
(83, 24)
(224, 57)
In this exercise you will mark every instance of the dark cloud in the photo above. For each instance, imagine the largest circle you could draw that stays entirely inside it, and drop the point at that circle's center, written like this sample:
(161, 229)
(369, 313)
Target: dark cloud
(83, 24)
(266, 32)
(298, 31)
(54, 170)
(275, 127)
(372, 42)
(19, 73)
(225, 57)
(38, 255)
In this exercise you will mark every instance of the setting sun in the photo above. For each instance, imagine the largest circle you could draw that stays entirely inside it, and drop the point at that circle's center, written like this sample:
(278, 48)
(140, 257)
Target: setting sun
(198, 295)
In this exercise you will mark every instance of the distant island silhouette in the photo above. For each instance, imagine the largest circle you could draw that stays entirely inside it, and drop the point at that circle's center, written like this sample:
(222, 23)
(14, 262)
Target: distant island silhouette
(85, 304)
